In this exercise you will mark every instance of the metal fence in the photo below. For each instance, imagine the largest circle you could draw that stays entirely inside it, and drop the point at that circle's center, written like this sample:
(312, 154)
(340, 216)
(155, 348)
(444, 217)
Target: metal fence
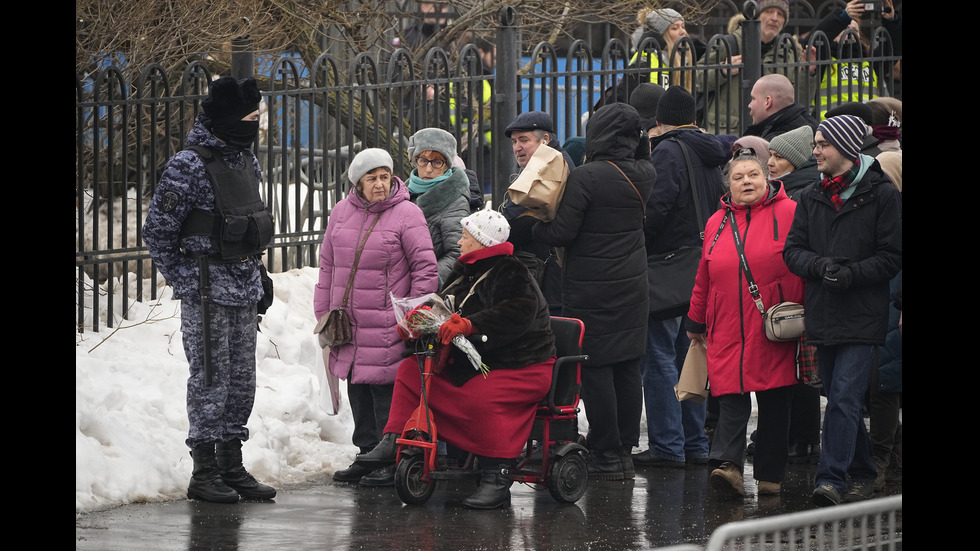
(873, 524)
(315, 118)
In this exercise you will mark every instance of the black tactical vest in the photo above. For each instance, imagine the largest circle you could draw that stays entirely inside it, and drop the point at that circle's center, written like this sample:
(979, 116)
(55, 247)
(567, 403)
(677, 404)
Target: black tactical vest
(240, 226)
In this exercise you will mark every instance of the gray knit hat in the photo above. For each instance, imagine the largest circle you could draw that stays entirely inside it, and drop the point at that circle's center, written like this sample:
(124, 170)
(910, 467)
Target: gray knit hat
(432, 139)
(779, 4)
(661, 20)
(794, 146)
(366, 161)
(846, 133)
(489, 227)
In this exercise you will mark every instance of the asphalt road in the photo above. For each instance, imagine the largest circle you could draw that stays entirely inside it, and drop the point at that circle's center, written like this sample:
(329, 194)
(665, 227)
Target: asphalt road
(659, 508)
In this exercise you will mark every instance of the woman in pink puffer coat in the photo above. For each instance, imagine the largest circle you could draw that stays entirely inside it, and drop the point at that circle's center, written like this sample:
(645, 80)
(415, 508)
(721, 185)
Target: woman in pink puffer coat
(397, 260)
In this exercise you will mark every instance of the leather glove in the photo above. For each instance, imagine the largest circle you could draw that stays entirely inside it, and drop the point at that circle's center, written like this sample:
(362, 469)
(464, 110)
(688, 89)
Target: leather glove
(456, 325)
(837, 277)
(821, 263)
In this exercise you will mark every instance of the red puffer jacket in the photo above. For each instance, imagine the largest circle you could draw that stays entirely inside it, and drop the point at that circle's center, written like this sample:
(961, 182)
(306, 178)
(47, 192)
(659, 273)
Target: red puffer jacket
(740, 357)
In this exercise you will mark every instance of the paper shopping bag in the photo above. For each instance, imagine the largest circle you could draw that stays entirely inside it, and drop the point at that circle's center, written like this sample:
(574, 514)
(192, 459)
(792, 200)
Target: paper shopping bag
(541, 184)
(693, 383)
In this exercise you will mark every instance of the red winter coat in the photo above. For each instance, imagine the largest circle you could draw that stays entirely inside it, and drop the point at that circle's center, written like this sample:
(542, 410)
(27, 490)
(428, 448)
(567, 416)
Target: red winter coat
(740, 357)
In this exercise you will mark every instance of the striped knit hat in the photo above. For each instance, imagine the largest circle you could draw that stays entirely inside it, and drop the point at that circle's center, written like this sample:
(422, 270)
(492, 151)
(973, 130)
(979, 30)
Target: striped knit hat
(846, 133)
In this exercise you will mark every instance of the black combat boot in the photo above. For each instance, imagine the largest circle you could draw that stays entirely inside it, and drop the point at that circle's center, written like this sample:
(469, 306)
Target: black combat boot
(233, 473)
(206, 483)
(606, 465)
(383, 453)
(494, 490)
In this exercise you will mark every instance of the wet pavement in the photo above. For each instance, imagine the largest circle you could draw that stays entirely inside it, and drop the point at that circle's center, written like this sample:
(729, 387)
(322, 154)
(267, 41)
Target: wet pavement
(659, 508)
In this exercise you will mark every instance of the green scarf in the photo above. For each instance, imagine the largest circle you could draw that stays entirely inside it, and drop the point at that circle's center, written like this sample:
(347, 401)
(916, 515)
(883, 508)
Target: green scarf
(418, 185)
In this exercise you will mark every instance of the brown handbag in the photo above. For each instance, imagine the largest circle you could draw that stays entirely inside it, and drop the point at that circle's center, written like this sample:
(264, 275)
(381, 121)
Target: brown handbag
(334, 328)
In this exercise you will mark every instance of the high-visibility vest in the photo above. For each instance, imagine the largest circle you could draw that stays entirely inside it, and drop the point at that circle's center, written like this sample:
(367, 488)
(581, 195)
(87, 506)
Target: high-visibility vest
(464, 127)
(845, 82)
(657, 77)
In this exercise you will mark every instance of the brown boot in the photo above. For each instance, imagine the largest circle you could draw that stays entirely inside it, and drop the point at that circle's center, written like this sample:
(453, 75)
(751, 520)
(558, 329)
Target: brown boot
(727, 480)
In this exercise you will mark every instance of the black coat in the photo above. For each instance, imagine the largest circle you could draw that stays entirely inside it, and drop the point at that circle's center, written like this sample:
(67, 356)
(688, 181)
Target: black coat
(788, 118)
(795, 181)
(672, 221)
(600, 224)
(867, 232)
(507, 307)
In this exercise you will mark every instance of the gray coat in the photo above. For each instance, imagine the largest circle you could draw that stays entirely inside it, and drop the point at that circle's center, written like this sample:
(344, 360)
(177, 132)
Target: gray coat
(444, 206)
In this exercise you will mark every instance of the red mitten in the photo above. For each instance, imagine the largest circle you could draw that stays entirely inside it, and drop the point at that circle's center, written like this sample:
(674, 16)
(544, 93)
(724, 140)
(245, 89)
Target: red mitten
(456, 325)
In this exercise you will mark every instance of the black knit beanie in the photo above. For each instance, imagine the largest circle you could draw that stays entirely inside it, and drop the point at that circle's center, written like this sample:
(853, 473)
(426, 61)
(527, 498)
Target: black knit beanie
(676, 107)
(230, 99)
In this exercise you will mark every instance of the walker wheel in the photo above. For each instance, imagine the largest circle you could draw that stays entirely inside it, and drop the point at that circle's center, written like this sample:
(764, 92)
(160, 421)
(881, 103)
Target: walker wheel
(409, 483)
(568, 477)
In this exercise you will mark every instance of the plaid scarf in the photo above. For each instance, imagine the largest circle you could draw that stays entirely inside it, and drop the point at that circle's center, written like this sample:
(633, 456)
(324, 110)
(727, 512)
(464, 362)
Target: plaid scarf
(838, 184)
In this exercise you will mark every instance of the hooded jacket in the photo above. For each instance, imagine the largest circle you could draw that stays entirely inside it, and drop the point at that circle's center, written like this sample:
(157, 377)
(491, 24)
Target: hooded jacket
(184, 187)
(672, 221)
(600, 224)
(397, 260)
(740, 357)
(867, 234)
(444, 206)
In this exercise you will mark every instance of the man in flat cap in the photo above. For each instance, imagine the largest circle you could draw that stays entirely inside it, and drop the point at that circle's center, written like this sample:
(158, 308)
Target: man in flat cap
(527, 132)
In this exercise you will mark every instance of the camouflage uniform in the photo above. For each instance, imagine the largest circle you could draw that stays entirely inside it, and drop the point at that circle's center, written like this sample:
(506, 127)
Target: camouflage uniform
(220, 411)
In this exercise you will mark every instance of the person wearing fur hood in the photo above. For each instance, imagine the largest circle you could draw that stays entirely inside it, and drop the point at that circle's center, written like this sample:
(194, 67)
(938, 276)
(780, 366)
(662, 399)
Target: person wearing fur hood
(441, 190)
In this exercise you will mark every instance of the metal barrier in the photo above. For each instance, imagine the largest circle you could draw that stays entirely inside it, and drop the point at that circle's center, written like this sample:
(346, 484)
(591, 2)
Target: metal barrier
(872, 524)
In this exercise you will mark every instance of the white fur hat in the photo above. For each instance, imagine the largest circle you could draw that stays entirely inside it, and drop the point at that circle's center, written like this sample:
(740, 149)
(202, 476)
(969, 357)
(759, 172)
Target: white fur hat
(489, 227)
(366, 161)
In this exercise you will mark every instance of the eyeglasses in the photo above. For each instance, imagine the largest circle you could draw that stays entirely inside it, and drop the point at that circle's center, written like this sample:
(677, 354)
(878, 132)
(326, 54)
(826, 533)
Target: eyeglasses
(743, 152)
(436, 163)
(819, 146)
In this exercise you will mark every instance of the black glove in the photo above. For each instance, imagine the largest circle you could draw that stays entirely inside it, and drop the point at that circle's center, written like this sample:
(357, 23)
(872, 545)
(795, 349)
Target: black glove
(837, 277)
(269, 292)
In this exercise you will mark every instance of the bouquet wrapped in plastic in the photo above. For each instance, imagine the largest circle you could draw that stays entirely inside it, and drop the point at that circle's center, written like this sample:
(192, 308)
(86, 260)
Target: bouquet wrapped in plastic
(422, 316)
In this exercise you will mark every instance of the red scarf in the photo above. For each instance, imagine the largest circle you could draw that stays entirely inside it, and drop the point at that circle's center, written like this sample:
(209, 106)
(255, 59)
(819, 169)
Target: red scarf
(836, 185)
(505, 248)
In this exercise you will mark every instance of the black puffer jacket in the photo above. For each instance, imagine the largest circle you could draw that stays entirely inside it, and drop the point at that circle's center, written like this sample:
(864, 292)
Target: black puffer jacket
(867, 232)
(600, 224)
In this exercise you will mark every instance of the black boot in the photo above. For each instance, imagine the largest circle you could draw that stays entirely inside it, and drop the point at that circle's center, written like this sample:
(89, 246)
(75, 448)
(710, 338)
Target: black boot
(233, 473)
(494, 490)
(385, 476)
(206, 483)
(383, 453)
(354, 473)
(629, 472)
(606, 465)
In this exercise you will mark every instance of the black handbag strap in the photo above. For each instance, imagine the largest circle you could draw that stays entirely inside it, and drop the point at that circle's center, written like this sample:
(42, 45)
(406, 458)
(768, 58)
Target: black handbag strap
(694, 188)
(753, 288)
(643, 205)
(357, 258)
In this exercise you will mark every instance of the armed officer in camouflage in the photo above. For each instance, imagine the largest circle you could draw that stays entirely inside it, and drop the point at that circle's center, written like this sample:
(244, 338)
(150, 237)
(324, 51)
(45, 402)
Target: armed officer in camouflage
(206, 230)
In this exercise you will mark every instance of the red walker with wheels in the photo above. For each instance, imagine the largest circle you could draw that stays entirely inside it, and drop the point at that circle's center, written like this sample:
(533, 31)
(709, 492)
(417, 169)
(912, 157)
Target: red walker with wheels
(554, 456)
